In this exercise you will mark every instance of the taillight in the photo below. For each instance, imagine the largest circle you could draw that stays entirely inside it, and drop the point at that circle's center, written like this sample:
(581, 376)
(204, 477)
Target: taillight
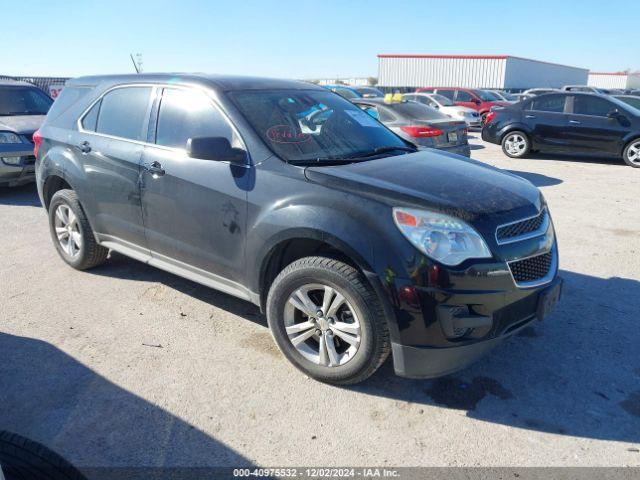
(37, 141)
(489, 118)
(421, 132)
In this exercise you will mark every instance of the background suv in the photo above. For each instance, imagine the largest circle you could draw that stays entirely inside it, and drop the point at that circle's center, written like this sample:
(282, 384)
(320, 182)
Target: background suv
(480, 100)
(281, 193)
(22, 110)
(570, 122)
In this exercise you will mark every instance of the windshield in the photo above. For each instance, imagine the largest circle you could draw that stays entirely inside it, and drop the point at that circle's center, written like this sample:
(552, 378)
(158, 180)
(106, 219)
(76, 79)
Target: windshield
(346, 93)
(629, 100)
(23, 101)
(417, 111)
(369, 92)
(487, 96)
(312, 125)
(442, 100)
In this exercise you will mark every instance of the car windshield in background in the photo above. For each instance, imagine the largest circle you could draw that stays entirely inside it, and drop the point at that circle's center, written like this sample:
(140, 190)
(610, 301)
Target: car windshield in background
(23, 101)
(486, 96)
(630, 100)
(417, 111)
(346, 93)
(369, 92)
(314, 126)
(442, 100)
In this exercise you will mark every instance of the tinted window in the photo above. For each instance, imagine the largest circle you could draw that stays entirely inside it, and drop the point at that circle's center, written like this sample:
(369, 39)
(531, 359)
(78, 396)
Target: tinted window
(345, 93)
(417, 111)
(68, 97)
(549, 103)
(90, 120)
(124, 112)
(588, 105)
(446, 93)
(23, 101)
(312, 125)
(188, 114)
(463, 96)
(386, 115)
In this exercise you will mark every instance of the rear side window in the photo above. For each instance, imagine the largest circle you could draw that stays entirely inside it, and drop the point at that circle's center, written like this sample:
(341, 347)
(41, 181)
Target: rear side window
(588, 105)
(124, 113)
(549, 103)
(188, 114)
(66, 99)
(90, 120)
(446, 93)
(463, 96)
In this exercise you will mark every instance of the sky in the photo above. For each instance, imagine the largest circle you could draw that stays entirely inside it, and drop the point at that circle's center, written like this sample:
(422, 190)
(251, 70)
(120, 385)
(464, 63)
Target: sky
(306, 39)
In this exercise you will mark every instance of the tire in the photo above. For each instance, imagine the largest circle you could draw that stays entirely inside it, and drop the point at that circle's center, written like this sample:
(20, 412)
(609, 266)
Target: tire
(516, 144)
(360, 315)
(631, 154)
(80, 250)
(24, 459)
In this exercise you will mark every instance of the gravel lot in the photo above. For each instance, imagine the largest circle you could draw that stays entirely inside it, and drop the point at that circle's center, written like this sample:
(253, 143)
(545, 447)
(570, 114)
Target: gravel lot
(127, 365)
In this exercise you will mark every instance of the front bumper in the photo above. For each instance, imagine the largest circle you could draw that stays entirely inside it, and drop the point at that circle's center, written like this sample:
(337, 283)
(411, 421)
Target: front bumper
(415, 361)
(21, 170)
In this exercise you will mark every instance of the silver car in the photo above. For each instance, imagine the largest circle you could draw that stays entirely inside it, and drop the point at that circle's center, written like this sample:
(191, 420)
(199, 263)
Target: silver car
(22, 110)
(444, 105)
(419, 124)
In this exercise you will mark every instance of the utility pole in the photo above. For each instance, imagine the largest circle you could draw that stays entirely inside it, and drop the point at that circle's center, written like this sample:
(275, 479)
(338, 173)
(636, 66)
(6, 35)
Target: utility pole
(137, 62)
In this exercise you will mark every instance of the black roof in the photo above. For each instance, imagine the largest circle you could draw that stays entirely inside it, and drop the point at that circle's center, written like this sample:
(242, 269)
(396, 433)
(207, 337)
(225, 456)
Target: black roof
(219, 82)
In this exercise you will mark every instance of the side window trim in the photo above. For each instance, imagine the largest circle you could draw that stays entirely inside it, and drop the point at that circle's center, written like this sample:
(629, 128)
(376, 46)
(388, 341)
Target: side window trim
(154, 111)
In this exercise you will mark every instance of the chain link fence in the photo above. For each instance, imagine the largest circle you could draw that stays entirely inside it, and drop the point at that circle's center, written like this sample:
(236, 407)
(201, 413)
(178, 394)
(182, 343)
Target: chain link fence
(49, 85)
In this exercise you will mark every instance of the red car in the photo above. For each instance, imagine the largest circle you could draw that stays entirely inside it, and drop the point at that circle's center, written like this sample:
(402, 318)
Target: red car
(480, 100)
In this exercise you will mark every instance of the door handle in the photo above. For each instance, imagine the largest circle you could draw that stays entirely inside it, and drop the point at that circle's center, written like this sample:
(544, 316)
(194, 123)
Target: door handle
(529, 116)
(85, 147)
(155, 169)
(575, 122)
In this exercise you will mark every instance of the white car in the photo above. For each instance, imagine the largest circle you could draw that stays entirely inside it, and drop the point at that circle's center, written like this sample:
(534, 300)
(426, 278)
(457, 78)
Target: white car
(446, 106)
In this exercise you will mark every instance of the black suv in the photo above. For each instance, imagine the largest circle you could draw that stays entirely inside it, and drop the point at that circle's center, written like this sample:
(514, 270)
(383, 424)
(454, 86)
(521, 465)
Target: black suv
(284, 194)
(571, 122)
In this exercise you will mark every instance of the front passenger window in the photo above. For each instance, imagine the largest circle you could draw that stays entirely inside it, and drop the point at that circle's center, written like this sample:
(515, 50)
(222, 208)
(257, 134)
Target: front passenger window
(588, 105)
(188, 114)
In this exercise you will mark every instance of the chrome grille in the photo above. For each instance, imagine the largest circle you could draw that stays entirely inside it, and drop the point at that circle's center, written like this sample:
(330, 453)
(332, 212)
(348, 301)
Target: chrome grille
(531, 269)
(523, 228)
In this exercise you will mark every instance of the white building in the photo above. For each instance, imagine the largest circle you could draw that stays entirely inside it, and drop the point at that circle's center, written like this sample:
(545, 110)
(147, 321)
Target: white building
(475, 71)
(623, 80)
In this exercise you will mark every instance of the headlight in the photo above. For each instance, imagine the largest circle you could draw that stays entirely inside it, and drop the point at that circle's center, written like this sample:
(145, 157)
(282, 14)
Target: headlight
(9, 137)
(446, 239)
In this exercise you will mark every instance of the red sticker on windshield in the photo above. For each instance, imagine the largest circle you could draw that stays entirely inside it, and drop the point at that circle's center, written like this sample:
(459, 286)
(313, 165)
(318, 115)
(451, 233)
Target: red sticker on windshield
(286, 134)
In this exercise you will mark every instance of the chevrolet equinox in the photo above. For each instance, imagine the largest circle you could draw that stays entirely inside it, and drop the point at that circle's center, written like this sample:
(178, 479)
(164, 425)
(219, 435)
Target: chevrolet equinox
(354, 242)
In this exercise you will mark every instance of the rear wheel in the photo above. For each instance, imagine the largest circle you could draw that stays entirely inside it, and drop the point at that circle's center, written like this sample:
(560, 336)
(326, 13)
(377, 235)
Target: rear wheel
(631, 155)
(515, 144)
(327, 320)
(71, 233)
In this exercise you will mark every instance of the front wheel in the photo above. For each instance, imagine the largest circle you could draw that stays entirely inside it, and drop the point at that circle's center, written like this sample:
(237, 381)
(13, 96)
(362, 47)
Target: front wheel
(631, 155)
(327, 320)
(516, 144)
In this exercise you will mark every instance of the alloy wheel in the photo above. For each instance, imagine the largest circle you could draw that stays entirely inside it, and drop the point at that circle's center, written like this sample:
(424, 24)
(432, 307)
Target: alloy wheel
(322, 325)
(515, 144)
(68, 231)
(633, 153)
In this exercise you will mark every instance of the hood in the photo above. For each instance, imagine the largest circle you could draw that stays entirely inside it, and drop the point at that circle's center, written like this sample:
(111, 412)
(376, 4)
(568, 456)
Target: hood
(438, 181)
(21, 124)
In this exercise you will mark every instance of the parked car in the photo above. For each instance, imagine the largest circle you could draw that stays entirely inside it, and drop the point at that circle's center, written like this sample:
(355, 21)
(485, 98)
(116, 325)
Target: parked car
(468, 115)
(344, 91)
(532, 92)
(588, 89)
(632, 100)
(479, 100)
(353, 242)
(369, 92)
(22, 110)
(504, 96)
(571, 122)
(419, 124)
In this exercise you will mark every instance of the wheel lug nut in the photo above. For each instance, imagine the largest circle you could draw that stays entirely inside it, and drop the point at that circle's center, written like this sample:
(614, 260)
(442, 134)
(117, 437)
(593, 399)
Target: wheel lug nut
(318, 331)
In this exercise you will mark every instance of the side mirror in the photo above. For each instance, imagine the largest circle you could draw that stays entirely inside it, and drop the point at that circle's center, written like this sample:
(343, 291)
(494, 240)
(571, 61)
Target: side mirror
(615, 113)
(477, 102)
(215, 148)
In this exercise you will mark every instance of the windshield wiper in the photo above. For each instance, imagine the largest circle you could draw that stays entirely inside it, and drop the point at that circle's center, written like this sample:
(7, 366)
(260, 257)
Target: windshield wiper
(381, 150)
